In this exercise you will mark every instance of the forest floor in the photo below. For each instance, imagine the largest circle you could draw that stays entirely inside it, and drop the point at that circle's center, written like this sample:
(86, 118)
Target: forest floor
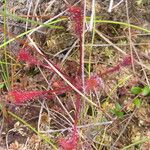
(74, 75)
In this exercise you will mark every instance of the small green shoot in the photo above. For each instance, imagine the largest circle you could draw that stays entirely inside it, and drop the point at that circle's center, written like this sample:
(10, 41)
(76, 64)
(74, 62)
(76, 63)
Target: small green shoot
(136, 90)
(137, 102)
(1, 85)
(142, 91)
(117, 111)
(146, 91)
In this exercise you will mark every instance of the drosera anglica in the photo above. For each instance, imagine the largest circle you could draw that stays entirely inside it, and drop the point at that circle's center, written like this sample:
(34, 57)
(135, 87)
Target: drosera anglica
(94, 82)
(127, 61)
(73, 141)
(25, 56)
(76, 16)
(19, 96)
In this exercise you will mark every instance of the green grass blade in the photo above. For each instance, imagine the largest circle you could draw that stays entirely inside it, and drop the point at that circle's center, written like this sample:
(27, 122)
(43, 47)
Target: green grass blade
(4, 67)
(29, 20)
(136, 143)
(121, 23)
(27, 32)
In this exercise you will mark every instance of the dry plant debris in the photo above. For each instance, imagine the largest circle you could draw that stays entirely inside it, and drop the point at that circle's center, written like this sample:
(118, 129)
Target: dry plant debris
(81, 83)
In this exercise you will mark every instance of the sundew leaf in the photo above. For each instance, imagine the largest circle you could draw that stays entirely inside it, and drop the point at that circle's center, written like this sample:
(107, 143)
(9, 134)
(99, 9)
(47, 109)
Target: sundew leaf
(146, 91)
(76, 15)
(72, 142)
(23, 96)
(137, 102)
(136, 90)
(24, 55)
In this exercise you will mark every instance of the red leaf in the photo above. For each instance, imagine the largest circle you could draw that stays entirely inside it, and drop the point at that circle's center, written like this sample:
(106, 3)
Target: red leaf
(25, 56)
(127, 61)
(114, 69)
(77, 18)
(22, 96)
(93, 82)
(70, 144)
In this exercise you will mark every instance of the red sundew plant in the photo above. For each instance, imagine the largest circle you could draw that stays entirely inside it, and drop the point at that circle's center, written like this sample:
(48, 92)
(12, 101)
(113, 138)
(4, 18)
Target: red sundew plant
(76, 15)
(127, 61)
(93, 82)
(72, 142)
(77, 18)
(25, 56)
(23, 96)
(113, 69)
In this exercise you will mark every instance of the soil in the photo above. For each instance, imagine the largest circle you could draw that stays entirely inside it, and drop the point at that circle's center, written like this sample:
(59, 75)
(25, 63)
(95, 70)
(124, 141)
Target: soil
(58, 46)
